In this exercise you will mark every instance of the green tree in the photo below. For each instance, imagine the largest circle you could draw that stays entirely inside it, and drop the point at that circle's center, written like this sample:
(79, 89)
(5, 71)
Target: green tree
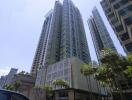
(114, 61)
(16, 85)
(21, 73)
(9, 87)
(105, 76)
(129, 59)
(87, 71)
(128, 71)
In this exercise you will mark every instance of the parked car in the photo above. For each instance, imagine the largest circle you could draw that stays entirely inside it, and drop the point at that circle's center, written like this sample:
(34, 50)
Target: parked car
(11, 95)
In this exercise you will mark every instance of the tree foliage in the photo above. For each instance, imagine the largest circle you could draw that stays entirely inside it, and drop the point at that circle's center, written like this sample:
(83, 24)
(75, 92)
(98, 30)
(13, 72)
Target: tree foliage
(129, 59)
(16, 85)
(112, 66)
(8, 87)
(61, 83)
(104, 73)
(13, 86)
(128, 71)
(86, 69)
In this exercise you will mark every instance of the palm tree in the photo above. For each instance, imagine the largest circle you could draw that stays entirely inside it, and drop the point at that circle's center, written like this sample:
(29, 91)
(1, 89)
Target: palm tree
(87, 71)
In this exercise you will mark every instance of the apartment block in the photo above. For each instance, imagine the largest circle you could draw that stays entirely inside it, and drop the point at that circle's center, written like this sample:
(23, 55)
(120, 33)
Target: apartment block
(119, 15)
(100, 35)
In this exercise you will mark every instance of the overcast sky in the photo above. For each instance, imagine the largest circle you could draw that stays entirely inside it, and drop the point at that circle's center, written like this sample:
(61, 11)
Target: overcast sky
(20, 27)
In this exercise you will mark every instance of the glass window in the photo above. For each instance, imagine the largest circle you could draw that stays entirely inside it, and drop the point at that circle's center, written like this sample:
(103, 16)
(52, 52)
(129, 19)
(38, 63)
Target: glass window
(129, 47)
(63, 94)
(122, 13)
(126, 10)
(109, 9)
(59, 74)
(129, 8)
(124, 36)
(117, 6)
(114, 21)
(119, 28)
(124, 2)
(54, 75)
(111, 15)
(128, 21)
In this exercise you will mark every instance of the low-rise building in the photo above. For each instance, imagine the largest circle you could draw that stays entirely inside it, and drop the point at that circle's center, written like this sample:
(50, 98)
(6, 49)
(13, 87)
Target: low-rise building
(10, 76)
(68, 70)
(5, 80)
(26, 83)
(2, 81)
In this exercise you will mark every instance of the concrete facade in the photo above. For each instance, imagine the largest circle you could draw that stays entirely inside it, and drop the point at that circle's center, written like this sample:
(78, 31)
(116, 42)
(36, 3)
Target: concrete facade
(68, 70)
(77, 94)
(119, 15)
(27, 83)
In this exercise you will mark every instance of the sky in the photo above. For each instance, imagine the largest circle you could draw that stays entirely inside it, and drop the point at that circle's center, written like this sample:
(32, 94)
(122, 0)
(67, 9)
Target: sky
(21, 24)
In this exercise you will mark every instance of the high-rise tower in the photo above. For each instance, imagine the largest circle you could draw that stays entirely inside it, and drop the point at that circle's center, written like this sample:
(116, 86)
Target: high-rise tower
(63, 36)
(119, 15)
(73, 37)
(41, 48)
(100, 35)
(63, 48)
